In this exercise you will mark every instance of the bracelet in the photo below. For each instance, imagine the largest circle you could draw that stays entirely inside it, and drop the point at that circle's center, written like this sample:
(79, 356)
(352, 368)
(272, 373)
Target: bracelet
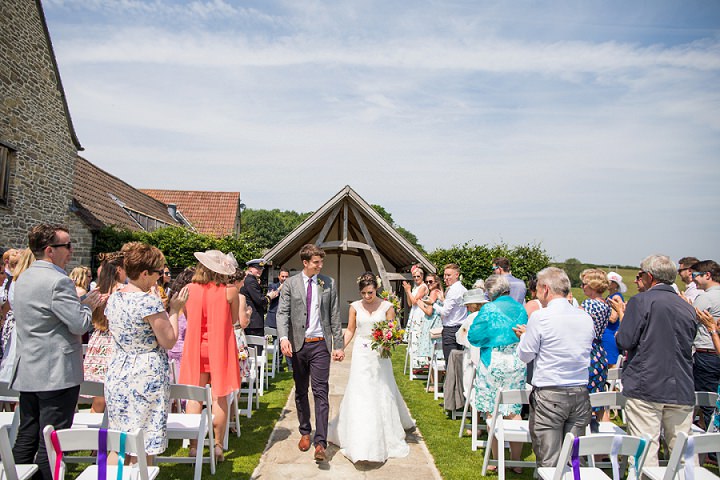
(713, 332)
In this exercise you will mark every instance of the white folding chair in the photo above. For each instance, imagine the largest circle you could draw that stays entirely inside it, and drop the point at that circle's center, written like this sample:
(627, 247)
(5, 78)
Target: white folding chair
(607, 400)
(8, 468)
(86, 419)
(10, 419)
(72, 439)
(468, 397)
(681, 465)
(705, 399)
(568, 467)
(273, 350)
(192, 426)
(249, 386)
(233, 416)
(506, 431)
(437, 366)
(260, 361)
(410, 359)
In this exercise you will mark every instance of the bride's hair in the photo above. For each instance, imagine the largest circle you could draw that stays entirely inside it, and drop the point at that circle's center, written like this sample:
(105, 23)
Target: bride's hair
(367, 279)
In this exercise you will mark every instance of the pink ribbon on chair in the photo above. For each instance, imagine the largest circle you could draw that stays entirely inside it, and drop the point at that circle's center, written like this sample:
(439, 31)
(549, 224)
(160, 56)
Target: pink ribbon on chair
(58, 454)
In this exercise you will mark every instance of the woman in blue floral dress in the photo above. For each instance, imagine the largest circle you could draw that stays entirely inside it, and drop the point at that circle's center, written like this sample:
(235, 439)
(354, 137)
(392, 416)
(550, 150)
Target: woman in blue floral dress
(137, 388)
(594, 283)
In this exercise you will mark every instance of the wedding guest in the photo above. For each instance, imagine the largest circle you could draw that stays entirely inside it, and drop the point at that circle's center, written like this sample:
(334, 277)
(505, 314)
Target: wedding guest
(270, 320)
(82, 282)
(8, 338)
(185, 277)
(616, 288)
(501, 266)
(452, 311)
(430, 307)
(657, 330)
(685, 272)
(244, 313)
(255, 298)
(499, 367)
(48, 369)
(210, 355)
(558, 338)
(413, 329)
(473, 300)
(594, 282)
(111, 278)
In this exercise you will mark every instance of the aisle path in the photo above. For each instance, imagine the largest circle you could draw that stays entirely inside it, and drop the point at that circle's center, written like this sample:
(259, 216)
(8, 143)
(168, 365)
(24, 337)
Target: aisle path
(283, 460)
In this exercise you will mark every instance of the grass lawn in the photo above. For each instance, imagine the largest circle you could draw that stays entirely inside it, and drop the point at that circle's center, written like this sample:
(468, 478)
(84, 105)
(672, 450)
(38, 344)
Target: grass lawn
(453, 456)
(243, 453)
(628, 276)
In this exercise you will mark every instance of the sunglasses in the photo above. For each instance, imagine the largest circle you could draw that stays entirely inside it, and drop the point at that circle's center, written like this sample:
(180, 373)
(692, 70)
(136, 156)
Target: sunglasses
(640, 274)
(58, 245)
(697, 274)
(417, 276)
(429, 281)
(166, 273)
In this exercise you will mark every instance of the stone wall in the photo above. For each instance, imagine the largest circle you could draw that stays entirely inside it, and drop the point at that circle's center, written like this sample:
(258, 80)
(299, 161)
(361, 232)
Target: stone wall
(32, 119)
(82, 240)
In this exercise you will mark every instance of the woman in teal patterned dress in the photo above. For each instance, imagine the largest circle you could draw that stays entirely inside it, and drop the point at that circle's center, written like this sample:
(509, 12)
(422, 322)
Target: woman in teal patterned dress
(431, 319)
(499, 368)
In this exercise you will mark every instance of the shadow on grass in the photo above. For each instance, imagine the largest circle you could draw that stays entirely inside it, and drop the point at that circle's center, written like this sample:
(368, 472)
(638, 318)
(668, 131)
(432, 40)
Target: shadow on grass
(243, 453)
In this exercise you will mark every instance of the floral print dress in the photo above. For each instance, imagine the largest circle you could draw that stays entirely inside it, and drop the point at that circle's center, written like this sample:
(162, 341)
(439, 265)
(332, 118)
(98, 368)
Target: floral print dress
(99, 352)
(137, 387)
(600, 312)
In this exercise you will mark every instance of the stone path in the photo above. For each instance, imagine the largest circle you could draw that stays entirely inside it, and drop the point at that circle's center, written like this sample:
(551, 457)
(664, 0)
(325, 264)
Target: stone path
(283, 460)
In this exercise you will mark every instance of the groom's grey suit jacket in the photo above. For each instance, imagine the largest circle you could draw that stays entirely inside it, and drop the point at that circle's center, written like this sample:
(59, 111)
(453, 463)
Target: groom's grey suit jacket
(292, 312)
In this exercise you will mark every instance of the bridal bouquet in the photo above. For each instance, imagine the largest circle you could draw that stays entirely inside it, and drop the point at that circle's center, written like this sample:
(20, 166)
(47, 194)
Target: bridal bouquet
(386, 334)
(393, 299)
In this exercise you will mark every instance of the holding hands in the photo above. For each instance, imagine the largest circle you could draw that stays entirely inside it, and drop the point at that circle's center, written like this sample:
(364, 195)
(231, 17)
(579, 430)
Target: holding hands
(338, 355)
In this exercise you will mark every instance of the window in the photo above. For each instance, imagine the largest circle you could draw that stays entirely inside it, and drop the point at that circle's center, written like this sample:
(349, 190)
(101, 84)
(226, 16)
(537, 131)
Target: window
(4, 173)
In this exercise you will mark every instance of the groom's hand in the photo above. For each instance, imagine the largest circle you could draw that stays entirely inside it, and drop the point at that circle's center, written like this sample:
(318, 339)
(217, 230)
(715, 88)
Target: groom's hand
(286, 347)
(338, 355)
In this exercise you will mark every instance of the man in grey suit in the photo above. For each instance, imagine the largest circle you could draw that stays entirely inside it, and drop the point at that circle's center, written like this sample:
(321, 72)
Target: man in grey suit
(49, 364)
(308, 324)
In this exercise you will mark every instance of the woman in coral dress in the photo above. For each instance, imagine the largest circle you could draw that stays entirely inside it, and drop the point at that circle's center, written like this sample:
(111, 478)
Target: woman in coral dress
(210, 354)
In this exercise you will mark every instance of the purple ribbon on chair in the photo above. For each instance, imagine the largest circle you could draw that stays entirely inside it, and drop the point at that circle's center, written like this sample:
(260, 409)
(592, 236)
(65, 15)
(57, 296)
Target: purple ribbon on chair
(575, 458)
(102, 454)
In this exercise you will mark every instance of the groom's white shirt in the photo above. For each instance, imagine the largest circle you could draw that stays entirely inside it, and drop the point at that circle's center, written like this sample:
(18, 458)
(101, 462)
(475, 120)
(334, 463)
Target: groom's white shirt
(314, 326)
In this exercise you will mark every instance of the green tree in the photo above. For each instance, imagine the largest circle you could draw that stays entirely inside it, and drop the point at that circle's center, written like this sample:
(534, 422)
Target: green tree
(573, 267)
(407, 234)
(268, 227)
(178, 244)
(475, 261)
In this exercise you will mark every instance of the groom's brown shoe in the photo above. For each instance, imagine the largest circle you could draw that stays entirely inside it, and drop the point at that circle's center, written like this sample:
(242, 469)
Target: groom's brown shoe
(319, 453)
(304, 443)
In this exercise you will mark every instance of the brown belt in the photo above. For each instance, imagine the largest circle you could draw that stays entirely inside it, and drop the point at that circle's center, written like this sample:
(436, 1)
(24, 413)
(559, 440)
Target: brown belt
(706, 350)
(313, 339)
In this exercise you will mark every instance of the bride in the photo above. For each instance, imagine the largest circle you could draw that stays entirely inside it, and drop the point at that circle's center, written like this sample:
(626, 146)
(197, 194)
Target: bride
(373, 417)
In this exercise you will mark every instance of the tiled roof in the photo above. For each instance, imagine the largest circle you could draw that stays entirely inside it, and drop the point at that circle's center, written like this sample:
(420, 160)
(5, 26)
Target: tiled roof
(94, 196)
(212, 213)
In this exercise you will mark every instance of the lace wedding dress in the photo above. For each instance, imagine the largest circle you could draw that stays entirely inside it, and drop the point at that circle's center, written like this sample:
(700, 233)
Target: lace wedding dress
(373, 418)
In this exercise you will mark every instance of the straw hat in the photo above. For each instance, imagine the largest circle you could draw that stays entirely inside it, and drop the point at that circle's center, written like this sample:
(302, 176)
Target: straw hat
(615, 277)
(476, 295)
(217, 261)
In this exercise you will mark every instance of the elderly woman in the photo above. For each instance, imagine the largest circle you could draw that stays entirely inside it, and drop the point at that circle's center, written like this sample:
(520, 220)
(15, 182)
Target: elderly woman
(499, 368)
(594, 283)
(473, 300)
(137, 386)
(210, 354)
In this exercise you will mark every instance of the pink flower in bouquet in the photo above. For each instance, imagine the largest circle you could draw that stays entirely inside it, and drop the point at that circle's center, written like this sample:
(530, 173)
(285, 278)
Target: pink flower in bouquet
(388, 335)
(391, 325)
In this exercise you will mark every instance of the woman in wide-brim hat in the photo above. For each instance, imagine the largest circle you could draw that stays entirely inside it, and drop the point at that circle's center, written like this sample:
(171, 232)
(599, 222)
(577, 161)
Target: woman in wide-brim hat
(210, 354)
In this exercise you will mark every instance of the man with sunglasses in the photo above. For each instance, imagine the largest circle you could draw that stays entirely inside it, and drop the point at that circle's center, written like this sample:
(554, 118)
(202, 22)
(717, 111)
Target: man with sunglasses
(657, 330)
(685, 273)
(706, 362)
(49, 363)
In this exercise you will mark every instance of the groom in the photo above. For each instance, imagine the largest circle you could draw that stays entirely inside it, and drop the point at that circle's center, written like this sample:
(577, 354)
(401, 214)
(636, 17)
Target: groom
(308, 324)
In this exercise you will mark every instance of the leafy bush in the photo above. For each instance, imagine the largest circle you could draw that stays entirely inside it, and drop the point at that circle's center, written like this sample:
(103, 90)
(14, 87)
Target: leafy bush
(178, 244)
(475, 261)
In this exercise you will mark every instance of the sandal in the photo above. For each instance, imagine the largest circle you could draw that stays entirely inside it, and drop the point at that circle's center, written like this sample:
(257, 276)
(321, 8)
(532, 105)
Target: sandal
(219, 453)
(192, 452)
(492, 468)
(517, 470)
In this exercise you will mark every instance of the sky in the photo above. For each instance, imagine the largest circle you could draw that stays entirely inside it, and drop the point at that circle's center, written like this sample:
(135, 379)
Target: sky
(591, 128)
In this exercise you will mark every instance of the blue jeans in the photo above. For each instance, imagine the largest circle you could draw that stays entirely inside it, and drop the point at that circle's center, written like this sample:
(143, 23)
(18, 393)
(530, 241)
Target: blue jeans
(706, 376)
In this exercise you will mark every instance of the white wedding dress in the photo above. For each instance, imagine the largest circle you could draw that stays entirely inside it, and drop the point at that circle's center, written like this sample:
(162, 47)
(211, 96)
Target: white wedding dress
(373, 417)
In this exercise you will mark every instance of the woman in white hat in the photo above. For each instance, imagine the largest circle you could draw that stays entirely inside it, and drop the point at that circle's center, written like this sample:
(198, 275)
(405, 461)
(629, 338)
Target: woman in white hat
(210, 354)
(616, 288)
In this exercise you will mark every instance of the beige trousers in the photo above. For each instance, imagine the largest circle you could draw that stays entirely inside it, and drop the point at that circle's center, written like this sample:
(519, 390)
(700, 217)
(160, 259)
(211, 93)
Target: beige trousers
(647, 417)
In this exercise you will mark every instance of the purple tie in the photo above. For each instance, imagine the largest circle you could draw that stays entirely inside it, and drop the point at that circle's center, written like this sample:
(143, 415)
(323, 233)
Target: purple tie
(309, 302)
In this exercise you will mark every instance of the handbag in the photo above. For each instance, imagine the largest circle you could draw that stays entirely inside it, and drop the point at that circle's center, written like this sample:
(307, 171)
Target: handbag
(436, 332)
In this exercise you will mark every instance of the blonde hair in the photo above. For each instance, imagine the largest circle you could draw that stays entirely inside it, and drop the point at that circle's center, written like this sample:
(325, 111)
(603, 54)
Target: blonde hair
(204, 275)
(595, 279)
(22, 261)
(79, 276)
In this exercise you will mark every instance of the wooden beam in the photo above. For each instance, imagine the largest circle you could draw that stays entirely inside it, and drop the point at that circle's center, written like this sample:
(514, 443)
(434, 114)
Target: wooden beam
(345, 225)
(399, 276)
(326, 228)
(373, 249)
(340, 244)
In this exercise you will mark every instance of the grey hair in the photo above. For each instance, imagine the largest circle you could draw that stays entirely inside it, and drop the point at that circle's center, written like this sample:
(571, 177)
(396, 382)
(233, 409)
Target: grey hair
(496, 286)
(555, 279)
(479, 283)
(660, 267)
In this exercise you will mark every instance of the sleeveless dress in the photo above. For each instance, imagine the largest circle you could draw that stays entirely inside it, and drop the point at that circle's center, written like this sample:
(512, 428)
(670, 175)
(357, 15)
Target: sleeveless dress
(425, 341)
(373, 417)
(608, 338)
(416, 321)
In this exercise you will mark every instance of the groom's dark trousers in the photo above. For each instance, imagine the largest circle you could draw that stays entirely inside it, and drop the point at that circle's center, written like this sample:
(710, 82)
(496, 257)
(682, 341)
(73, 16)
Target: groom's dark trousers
(311, 365)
